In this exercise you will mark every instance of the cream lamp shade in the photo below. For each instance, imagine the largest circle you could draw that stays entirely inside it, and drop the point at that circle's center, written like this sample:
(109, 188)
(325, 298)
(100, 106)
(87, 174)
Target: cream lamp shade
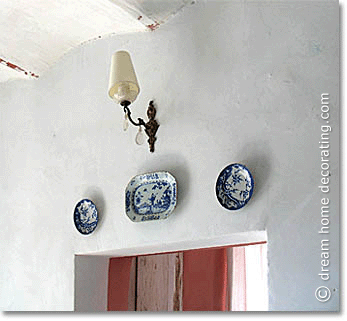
(123, 83)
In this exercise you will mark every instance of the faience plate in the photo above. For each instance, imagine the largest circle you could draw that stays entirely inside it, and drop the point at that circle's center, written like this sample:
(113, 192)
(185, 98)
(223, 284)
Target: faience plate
(85, 216)
(150, 196)
(234, 186)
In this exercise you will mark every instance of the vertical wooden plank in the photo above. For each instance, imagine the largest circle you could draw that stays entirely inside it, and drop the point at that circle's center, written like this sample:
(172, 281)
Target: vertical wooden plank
(171, 281)
(157, 288)
(228, 303)
(238, 283)
(132, 285)
(178, 294)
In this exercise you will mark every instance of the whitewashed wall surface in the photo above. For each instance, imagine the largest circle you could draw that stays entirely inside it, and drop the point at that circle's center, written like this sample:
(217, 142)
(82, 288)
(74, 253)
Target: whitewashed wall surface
(233, 81)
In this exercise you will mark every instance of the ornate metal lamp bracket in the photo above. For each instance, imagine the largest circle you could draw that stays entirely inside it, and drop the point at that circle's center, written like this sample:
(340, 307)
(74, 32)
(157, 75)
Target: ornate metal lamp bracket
(151, 127)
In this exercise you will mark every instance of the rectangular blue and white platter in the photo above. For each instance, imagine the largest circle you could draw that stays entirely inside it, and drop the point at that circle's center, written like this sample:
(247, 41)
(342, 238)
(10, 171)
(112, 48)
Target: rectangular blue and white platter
(150, 196)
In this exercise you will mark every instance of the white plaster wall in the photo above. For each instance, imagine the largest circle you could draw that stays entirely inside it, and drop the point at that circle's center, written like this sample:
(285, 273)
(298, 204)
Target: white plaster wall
(234, 81)
(91, 283)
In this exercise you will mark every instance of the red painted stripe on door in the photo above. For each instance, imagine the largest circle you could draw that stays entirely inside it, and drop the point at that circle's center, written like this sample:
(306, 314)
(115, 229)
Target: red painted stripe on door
(118, 283)
(205, 280)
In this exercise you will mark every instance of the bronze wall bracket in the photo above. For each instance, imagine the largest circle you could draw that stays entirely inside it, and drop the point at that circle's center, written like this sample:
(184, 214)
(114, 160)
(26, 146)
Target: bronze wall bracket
(151, 127)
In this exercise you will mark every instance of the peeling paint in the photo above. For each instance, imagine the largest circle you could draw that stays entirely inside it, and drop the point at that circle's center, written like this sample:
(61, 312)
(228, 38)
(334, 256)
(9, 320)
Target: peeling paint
(154, 26)
(17, 68)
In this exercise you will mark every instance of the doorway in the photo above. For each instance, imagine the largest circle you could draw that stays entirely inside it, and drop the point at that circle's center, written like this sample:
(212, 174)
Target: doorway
(230, 278)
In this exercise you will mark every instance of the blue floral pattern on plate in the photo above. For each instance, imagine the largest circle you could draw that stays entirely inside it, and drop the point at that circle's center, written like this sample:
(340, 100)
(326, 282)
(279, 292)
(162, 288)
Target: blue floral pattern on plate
(150, 196)
(85, 216)
(234, 186)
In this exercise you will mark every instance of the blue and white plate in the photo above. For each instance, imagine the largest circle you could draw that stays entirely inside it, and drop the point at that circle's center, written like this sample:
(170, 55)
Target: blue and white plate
(234, 186)
(85, 216)
(150, 196)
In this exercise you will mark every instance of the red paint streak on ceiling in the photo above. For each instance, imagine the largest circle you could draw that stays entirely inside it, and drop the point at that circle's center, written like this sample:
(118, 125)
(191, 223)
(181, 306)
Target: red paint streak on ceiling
(17, 68)
(154, 26)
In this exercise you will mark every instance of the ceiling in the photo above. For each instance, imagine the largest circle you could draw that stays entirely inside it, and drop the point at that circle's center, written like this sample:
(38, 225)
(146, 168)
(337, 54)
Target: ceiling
(36, 33)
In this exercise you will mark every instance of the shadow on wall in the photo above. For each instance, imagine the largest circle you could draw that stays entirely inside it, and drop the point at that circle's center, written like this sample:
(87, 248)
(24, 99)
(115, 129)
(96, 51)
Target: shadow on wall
(259, 162)
(95, 194)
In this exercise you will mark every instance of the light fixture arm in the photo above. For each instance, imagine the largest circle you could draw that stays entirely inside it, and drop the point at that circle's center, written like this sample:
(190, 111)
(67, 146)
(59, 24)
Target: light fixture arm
(151, 126)
(125, 105)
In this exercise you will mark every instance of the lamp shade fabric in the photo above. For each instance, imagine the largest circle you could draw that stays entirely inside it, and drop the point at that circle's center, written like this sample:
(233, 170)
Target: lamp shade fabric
(123, 83)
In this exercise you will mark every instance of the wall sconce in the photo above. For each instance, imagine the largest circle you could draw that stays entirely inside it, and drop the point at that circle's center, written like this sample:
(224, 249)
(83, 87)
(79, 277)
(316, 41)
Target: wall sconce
(124, 88)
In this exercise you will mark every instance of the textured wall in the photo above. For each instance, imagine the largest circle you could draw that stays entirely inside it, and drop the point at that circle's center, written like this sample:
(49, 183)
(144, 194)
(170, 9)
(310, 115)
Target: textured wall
(233, 82)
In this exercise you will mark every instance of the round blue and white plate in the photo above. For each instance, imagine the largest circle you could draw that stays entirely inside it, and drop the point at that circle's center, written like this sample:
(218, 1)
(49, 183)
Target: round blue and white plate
(85, 216)
(234, 186)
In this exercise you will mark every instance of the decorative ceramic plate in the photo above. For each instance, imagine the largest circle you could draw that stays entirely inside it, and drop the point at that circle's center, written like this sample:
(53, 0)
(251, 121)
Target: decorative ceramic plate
(85, 216)
(234, 186)
(150, 196)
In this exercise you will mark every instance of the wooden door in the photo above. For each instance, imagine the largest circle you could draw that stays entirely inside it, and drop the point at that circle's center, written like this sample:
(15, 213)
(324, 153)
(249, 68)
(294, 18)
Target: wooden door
(159, 282)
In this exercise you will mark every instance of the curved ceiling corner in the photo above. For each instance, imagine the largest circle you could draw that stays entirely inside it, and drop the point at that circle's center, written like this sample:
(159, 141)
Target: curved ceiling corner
(36, 33)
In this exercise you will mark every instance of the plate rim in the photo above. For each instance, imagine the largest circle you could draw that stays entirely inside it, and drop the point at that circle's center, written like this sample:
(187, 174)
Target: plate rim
(162, 215)
(244, 167)
(74, 216)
